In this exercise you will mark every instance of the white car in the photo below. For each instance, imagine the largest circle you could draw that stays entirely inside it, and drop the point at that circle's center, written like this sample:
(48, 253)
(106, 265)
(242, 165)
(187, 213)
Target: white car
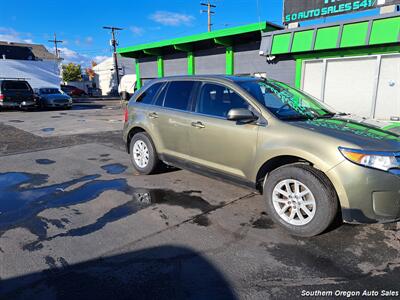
(127, 85)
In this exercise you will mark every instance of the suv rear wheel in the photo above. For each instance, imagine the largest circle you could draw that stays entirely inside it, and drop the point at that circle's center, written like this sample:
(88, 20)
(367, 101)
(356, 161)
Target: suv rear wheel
(143, 154)
(301, 199)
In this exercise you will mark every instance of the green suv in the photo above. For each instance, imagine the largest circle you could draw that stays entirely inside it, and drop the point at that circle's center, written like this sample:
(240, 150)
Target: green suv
(310, 162)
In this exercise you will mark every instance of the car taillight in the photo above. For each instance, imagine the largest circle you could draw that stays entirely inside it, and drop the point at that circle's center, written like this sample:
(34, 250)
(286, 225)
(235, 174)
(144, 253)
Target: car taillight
(1, 97)
(126, 115)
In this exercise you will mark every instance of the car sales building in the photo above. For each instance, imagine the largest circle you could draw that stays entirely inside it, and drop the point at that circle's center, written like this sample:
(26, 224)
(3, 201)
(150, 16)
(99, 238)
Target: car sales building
(353, 66)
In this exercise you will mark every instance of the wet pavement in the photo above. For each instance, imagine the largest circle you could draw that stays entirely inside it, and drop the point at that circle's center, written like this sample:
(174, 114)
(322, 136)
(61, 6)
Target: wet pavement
(76, 223)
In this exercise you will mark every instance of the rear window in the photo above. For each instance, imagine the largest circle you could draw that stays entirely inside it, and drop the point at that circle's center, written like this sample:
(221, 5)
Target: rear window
(16, 86)
(178, 94)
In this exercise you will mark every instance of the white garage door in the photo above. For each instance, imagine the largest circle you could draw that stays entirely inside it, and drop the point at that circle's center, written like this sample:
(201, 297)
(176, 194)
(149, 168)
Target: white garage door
(388, 96)
(349, 85)
(313, 78)
(368, 86)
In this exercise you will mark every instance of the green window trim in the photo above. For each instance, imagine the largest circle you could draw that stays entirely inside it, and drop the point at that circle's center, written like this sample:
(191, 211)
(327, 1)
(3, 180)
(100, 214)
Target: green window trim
(302, 41)
(327, 38)
(280, 43)
(299, 73)
(385, 31)
(138, 76)
(160, 66)
(191, 63)
(230, 60)
(222, 33)
(354, 35)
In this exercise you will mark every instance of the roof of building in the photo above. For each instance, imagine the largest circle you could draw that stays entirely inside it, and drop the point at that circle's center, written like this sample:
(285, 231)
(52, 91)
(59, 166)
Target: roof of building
(370, 31)
(39, 51)
(224, 37)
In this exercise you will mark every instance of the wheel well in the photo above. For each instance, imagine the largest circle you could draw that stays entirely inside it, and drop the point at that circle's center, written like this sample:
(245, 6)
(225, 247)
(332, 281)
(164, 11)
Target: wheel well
(274, 164)
(133, 131)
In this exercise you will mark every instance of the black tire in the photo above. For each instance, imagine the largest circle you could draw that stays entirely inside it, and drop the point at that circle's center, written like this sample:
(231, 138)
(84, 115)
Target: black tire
(153, 161)
(326, 201)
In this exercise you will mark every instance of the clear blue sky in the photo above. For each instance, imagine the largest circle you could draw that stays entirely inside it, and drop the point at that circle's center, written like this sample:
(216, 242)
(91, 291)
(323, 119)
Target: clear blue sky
(79, 23)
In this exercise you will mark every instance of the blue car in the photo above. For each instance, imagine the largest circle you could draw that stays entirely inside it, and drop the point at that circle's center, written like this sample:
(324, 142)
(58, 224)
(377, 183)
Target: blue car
(52, 98)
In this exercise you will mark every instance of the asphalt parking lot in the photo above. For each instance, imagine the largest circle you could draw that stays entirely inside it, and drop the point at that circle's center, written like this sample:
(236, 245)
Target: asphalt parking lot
(76, 223)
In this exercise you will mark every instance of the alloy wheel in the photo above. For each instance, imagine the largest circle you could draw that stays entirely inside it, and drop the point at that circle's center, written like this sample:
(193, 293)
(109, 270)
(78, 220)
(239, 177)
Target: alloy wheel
(141, 154)
(294, 202)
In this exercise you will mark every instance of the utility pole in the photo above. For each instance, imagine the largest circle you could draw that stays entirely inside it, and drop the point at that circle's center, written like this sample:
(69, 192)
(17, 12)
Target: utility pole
(114, 44)
(209, 12)
(56, 42)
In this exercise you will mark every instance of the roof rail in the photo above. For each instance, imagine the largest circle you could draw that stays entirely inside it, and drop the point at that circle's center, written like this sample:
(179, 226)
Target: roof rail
(13, 78)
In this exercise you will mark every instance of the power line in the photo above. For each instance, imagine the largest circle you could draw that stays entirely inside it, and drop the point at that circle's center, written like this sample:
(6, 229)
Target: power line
(114, 44)
(209, 13)
(56, 42)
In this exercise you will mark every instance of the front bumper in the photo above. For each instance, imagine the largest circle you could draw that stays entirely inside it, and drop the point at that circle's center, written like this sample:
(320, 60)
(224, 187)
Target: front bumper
(366, 195)
(55, 105)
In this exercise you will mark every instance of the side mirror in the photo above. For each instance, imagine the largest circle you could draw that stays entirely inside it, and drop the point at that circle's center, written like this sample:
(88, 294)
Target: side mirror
(241, 114)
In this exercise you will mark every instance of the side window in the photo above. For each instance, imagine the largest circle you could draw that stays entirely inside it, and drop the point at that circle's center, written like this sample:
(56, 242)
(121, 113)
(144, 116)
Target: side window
(148, 95)
(178, 94)
(217, 100)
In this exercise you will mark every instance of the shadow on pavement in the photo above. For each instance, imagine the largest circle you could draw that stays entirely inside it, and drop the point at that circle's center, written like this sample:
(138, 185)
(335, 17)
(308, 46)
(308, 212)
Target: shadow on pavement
(167, 272)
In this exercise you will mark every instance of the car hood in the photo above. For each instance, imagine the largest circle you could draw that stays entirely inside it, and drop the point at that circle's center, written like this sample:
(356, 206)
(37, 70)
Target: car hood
(52, 97)
(366, 133)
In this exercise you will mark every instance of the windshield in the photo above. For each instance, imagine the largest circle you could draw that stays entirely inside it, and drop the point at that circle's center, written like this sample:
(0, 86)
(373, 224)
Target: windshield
(50, 91)
(285, 102)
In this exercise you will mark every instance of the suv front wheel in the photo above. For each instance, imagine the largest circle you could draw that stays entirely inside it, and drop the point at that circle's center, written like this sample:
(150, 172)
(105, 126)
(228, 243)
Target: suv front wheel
(143, 154)
(301, 199)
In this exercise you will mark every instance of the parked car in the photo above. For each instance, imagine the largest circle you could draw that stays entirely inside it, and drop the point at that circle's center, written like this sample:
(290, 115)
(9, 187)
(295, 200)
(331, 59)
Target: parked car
(51, 97)
(73, 91)
(309, 162)
(16, 93)
(127, 86)
(94, 92)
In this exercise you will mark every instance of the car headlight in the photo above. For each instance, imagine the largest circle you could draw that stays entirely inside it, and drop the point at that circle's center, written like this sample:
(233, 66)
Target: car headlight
(377, 160)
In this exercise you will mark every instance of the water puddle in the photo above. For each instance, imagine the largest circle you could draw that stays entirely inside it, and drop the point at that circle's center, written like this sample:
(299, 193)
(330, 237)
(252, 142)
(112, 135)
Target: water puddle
(202, 220)
(47, 129)
(263, 223)
(141, 199)
(24, 196)
(45, 161)
(114, 169)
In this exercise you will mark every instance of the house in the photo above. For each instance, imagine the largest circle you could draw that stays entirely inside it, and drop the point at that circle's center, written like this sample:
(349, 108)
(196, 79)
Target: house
(32, 62)
(105, 74)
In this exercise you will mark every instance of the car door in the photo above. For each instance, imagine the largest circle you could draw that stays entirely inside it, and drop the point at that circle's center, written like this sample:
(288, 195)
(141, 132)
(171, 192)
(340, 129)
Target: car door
(217, 143)
(172, 120)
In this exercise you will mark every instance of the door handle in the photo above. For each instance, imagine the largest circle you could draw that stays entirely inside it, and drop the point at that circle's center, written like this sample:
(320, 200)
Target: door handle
(153, 115)
(198, 125)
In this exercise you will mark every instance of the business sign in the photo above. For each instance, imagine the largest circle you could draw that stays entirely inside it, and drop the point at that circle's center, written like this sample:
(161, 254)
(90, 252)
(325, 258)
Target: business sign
(303, 10)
